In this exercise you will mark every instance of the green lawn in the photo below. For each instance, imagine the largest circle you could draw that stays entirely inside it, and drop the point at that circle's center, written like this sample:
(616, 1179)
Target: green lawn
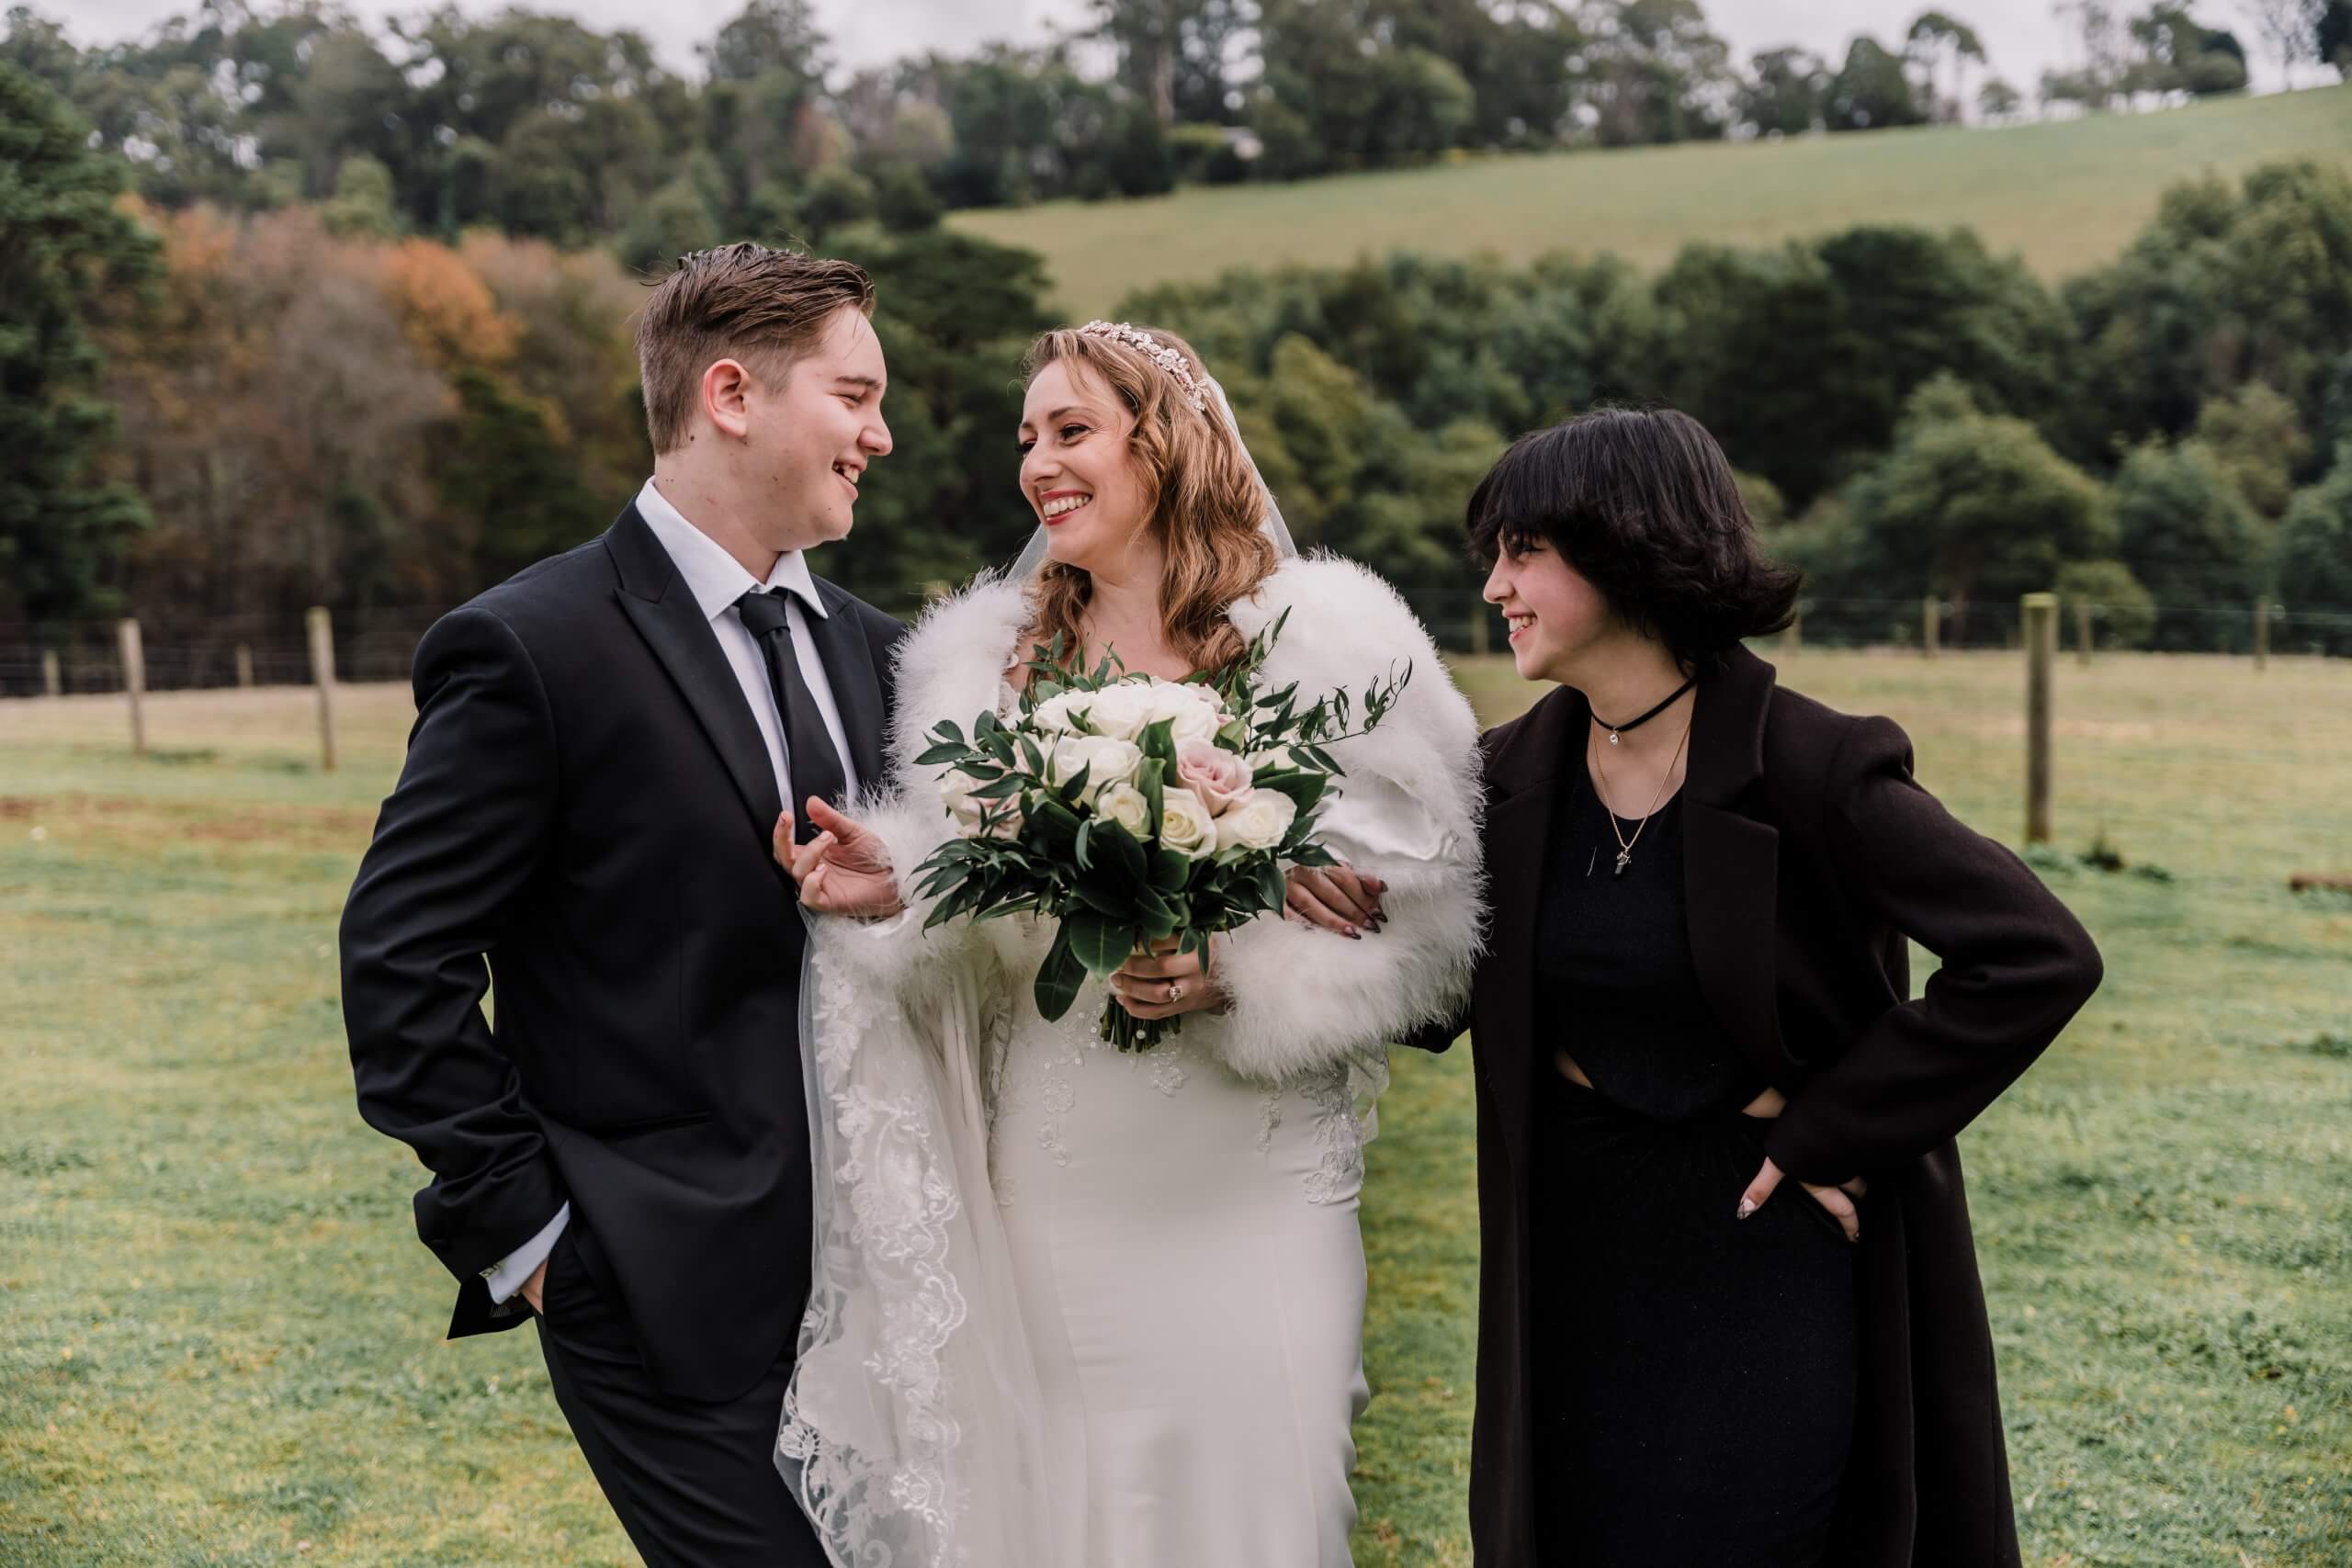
(2068, 194)
(221, 1338)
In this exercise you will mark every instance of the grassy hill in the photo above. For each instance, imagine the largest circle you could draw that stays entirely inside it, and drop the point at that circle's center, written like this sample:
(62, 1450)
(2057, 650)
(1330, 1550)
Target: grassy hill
(2069, 196)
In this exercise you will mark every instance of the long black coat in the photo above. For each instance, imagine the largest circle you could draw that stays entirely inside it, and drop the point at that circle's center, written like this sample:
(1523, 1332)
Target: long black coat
(1810, 856)
(584, 814)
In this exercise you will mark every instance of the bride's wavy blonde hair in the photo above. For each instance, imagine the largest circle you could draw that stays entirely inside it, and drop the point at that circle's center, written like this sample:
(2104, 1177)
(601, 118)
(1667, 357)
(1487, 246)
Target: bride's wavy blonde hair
(1204, 503)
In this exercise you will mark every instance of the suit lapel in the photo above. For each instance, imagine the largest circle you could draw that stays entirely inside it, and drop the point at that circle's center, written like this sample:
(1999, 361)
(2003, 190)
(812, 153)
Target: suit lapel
(1524, 775)
(681, 641)
(1731, 862)
(849, 665)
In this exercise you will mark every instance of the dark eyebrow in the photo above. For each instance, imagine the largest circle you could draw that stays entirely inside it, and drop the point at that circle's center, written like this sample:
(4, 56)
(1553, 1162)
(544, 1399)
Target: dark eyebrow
(868, 382)
(1055, 417)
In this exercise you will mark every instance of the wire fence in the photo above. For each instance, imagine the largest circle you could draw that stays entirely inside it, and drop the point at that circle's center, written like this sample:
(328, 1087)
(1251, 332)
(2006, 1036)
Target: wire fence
(272, 648)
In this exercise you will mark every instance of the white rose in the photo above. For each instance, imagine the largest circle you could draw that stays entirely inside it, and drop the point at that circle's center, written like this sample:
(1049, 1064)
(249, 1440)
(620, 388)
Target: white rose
(1118, 711)
(1257, 821)
(1185, 825)
(1124, 804)
(1191, 710)
(1052, 714)
(1106, 762)
(955, 793)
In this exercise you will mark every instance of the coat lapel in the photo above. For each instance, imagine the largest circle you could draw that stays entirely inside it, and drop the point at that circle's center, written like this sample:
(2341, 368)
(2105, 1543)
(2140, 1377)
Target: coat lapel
(849, 665)
(673, 627)
(1731, 862)
(1523, 777)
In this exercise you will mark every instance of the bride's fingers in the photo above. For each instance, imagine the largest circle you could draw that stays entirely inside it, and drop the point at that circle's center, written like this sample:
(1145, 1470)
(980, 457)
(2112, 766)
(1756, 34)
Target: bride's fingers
(780, 839)
(1355, 897)
(1315, 912)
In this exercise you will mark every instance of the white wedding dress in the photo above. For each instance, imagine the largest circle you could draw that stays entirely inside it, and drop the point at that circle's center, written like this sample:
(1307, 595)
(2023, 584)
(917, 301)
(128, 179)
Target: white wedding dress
(1077, 1308)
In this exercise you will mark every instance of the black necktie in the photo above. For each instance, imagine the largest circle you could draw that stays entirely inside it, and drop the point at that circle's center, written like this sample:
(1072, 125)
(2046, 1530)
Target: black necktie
(809, 757)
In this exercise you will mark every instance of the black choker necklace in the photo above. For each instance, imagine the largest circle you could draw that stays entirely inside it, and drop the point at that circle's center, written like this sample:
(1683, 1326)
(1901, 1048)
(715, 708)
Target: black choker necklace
(1617, 729)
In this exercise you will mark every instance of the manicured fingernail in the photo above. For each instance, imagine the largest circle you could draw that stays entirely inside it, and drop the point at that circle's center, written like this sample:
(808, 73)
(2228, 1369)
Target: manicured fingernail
(1355, 935)
(1747, 1207)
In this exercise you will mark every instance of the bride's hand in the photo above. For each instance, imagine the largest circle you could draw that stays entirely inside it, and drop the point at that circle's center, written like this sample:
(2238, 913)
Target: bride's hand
(844, 870)
(1337, 898)
(1838, 1199)
(1164, 983)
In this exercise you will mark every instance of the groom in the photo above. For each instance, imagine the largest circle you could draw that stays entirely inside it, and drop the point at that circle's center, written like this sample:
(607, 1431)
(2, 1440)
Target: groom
(602, 747)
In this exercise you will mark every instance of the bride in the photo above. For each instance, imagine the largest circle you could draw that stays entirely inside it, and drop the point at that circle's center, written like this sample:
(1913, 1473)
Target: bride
(1073, 1307)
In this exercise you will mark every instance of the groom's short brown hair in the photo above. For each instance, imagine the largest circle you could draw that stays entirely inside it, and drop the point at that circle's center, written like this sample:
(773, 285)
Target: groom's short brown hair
(762, 306)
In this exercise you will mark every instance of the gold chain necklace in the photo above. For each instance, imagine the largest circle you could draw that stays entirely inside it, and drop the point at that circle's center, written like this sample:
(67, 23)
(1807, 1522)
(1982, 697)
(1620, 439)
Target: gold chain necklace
(1625, 844)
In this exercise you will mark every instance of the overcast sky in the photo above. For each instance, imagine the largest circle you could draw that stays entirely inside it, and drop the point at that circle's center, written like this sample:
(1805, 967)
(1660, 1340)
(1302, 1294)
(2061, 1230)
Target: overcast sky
(2020, 35)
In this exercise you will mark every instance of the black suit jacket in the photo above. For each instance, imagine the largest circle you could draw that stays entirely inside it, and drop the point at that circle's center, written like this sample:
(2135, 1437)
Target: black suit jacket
(583, 825)
(1810, 856)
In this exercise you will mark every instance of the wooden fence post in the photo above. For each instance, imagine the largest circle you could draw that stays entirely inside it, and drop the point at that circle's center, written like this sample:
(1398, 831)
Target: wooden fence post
(134, 679)
(322, 672)
(1481, 633)
(2082, 631)
(2262, 634)
(2041, 617)
(52, 678)
(245, 664)
(1932, 625)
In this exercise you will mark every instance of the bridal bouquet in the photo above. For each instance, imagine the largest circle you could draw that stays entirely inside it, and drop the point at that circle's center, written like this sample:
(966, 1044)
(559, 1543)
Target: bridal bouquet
(1135, 811)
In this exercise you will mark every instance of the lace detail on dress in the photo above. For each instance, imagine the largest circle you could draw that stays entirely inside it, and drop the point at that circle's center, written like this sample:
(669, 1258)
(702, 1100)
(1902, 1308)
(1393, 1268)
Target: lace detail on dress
(1338, 1138)
(1270, 1119)
(898, 1199)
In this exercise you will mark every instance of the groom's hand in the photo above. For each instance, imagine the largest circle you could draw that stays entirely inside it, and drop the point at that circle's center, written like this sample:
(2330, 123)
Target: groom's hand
(844, 870)
(530, 1289)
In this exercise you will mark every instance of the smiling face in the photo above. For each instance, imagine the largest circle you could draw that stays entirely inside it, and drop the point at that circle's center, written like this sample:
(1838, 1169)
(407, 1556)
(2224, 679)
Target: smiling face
(806, 441)
(1077, 471)
(1558, 620)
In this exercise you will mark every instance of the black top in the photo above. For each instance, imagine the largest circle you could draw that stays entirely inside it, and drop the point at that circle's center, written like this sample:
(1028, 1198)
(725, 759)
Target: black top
(1613, 968)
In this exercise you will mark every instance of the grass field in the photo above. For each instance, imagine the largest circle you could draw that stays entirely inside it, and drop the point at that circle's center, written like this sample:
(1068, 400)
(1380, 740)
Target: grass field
(2068, 194)
(221, 1337)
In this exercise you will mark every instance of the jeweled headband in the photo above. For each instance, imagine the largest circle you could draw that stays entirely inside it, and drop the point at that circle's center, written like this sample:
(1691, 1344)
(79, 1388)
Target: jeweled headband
(1158, 353)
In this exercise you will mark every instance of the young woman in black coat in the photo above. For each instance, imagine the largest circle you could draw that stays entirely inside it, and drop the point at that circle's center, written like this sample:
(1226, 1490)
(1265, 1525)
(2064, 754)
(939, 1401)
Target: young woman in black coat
(1729, 1305)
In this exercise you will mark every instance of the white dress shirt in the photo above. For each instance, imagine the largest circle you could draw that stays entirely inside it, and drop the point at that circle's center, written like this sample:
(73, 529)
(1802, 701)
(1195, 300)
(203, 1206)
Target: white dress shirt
(716, 580)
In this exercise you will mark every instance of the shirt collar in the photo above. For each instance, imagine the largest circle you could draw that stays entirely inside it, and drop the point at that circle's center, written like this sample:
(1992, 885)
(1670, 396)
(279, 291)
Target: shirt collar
(715, 578)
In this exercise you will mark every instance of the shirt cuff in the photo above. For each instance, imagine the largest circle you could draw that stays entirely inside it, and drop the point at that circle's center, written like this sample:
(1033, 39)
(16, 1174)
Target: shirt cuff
(506, 1276)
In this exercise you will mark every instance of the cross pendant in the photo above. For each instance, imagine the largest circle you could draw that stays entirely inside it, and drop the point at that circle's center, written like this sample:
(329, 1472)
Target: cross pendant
(1624, 859)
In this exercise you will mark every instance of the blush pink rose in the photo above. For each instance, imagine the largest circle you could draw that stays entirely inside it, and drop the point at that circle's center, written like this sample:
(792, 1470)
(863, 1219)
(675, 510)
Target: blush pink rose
(1218, 776)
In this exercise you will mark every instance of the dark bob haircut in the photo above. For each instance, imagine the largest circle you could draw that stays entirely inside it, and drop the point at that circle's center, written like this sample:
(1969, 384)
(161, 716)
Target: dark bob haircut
(1642, 504)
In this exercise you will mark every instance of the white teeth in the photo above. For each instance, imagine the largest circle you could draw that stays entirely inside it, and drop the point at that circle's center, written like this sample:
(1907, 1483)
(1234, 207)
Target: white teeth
(1066, 504)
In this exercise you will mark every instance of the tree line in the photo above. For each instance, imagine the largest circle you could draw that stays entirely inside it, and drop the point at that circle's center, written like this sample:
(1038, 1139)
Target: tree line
(208, 412)
(542, 126)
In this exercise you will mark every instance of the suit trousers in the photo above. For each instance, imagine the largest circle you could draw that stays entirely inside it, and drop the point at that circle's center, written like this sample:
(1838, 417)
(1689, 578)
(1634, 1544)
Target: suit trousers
(694, 1484)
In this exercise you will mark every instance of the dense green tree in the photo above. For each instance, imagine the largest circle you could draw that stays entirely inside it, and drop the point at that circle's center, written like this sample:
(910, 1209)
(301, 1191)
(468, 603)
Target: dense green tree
(2255, 439)
(2123, 613)
(2190, 540)
(1935, 37)
(1784, 92)
(66, 254)
(2226, 285)
(2314, 555)
(1972, 506)
(1870, 91)
(1652, 70)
